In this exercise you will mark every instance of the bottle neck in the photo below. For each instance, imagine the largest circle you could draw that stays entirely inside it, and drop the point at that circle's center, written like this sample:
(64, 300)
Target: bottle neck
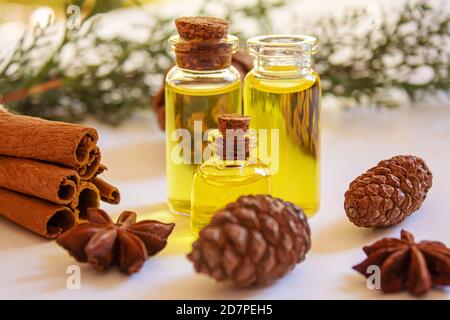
(285, 56)
(196, 73)
(203, 62)
(290, 66)
(203, 56)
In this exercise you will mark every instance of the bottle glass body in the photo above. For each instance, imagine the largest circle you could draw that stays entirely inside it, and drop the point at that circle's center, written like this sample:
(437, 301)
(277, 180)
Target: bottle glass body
(283, 93)
(194, 99)
(218, 182)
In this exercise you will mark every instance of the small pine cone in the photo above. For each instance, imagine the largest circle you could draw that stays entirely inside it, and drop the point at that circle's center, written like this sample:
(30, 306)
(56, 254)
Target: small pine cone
(252, 241)
(389, 192)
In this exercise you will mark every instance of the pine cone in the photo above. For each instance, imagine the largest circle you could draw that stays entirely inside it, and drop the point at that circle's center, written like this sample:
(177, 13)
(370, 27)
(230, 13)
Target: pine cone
(252, 241)
(388, 193)
(241, 61)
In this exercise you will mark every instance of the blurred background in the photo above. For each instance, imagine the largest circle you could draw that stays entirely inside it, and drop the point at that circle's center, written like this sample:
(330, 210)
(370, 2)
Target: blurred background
(105, 60)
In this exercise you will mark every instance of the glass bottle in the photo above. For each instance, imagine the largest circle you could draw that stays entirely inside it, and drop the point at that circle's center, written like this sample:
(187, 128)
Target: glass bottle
(202, 85)
(283, 92)
(233, 170)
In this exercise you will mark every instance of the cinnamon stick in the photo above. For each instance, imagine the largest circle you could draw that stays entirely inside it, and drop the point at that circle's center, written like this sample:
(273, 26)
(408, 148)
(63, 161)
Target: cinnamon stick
(91, 167)
(57, 142)
(102, 168)
(108, 192)
(88, 196)
(40, 216)
(39, 179)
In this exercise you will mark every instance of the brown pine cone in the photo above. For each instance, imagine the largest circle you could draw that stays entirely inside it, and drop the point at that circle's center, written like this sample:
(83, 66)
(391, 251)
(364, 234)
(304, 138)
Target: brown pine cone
(241, 61)
(252, 241)
(388, 193)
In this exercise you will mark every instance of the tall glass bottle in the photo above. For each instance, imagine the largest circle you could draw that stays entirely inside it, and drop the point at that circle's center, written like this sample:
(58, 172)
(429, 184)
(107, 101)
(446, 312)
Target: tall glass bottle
(233, 170)
(283, 92)
(202, 85)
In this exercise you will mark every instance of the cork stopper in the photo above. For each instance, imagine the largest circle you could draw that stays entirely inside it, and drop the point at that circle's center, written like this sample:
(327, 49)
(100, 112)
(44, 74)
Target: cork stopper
(233, 121)
(203, 43)
(202, 28)
(234, 145)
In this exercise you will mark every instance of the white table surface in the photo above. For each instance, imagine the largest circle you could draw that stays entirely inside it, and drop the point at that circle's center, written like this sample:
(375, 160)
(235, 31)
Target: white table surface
(34, 268)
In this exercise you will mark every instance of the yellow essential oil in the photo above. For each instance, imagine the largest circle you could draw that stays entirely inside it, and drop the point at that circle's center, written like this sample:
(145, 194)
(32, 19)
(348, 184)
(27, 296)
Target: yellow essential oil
(185, 105)
(202, 85)
(221, 180)
(284, 93)
(214, 187)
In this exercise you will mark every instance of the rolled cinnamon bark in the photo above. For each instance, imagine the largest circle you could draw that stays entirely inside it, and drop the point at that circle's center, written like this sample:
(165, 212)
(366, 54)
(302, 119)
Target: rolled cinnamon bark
(57, 142)
(88, 196)
(102, 168)
(108, 192)
(39, 179)
(91, 167)
(40, 216)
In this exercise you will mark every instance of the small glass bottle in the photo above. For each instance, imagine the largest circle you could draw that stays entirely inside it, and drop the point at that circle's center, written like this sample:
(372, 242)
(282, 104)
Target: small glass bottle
(233, 170)
(202, 85)
(283, 92)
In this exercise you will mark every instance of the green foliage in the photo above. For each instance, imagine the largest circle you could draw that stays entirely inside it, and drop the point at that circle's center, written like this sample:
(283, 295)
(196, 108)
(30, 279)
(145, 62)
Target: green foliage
(110, 78)
(404, 52)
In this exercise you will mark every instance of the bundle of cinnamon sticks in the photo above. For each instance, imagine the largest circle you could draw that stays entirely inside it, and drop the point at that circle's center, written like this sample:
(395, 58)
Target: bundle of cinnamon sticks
(49, 173)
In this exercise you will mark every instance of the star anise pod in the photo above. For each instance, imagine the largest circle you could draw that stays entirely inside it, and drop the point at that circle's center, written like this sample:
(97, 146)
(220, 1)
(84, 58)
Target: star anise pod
(126, 243)
(405, 264)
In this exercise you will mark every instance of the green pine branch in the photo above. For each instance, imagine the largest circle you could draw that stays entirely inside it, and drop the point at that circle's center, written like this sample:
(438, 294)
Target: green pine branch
(111, 78)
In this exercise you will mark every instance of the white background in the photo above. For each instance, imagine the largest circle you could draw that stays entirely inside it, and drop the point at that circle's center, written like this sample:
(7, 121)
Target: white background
(31, 267)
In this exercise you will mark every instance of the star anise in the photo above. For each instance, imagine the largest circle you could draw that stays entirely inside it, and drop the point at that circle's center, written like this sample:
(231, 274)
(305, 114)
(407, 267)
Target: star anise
(126, 243)
(405, 264)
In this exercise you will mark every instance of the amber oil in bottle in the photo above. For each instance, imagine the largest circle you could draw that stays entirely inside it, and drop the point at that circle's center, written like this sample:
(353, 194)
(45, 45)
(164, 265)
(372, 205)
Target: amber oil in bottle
(283, 92)
(233, 170)
(202, 85)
